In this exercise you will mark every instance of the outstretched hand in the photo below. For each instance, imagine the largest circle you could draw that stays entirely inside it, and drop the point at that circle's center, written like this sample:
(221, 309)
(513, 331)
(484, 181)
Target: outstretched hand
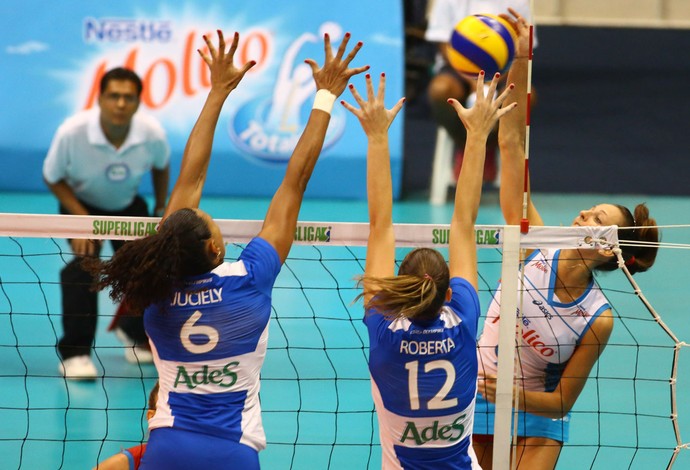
(335, 74)
(521, 27)
(224, 75)
(373, 115)
(487, 110)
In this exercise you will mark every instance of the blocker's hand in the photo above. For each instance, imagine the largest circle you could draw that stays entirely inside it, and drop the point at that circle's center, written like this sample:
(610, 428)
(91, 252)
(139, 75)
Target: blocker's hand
(335, 73)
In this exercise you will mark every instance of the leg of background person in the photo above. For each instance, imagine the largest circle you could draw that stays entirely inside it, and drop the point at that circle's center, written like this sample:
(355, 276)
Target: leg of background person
(131, 325)
(484, 449)
(537, 453)
(449, 84)
(443, 86)
(79, 311)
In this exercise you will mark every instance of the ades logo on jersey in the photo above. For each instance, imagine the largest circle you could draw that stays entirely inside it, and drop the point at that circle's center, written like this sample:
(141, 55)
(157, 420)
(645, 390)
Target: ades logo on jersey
(225, 377)
(449, 432)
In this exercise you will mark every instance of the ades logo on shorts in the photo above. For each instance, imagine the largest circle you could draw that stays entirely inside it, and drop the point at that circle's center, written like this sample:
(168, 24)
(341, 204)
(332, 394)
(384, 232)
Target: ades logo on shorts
(269, 130)
(117, 172)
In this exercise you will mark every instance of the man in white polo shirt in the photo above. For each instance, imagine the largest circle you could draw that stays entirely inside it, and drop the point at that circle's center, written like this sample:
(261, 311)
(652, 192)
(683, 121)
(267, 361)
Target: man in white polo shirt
(94, 166)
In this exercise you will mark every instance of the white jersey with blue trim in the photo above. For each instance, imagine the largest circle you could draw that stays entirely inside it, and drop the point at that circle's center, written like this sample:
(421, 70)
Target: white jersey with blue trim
(551, 329)
(209, 343)
(424, 383)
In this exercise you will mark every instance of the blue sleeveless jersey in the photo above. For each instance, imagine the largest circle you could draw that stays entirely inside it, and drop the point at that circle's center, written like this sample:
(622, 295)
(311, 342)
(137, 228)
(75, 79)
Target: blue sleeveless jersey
(209, 343)
(424, 380)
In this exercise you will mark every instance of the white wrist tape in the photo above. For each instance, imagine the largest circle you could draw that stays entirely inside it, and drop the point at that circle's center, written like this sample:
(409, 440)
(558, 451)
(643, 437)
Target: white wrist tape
(324, 100)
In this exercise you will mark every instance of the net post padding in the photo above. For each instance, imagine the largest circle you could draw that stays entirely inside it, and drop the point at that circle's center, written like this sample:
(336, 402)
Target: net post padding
(506, 356)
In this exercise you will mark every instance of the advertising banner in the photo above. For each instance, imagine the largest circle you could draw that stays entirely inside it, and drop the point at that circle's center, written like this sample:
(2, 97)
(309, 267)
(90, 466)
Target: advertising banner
(54, 53)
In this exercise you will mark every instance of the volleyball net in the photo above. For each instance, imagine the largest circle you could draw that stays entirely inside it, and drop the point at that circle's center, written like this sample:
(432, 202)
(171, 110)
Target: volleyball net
(315, 385)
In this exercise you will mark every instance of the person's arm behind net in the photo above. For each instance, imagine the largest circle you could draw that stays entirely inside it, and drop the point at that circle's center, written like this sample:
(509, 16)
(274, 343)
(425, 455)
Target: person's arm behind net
(281, 218)
(197, 153)
(376, 120)
(478, 121)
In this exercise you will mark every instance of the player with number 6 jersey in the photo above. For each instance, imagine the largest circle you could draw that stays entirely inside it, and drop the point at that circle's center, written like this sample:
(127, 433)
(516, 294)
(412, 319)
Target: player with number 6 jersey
(422, 322)
(209, 343)
(207, 319)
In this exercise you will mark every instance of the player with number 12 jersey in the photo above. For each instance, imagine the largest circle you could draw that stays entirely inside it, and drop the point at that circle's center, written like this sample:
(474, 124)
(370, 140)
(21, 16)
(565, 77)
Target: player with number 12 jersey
(424, 383)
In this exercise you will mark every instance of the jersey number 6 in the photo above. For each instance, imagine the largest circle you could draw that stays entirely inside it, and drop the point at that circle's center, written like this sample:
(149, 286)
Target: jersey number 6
(191, 328)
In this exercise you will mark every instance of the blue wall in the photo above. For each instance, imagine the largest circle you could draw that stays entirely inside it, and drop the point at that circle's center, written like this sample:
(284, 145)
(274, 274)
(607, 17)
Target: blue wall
(56, 55)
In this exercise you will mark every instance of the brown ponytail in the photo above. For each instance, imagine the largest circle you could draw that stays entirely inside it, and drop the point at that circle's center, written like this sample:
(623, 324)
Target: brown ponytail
(418, 291)
(639, 227)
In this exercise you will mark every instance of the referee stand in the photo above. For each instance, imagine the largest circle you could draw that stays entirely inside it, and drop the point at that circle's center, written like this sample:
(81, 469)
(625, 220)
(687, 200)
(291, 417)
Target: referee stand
(442, 168)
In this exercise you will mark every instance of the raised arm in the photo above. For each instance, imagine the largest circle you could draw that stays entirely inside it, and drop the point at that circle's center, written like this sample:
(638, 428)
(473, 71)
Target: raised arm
(281, 218)
(560, 401)
(478, 121)
(197, 153)
(376, 120)
(512, 133)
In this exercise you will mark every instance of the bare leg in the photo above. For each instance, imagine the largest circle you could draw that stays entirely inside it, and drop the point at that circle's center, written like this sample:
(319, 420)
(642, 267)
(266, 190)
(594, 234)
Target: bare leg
(442, 87)
(484, 449)
(537, 453)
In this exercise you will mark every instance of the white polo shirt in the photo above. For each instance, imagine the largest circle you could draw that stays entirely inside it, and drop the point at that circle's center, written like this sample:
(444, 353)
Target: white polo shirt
(99, 174)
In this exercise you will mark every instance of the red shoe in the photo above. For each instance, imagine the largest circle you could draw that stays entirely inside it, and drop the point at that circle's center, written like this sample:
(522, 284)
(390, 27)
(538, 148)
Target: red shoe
(121, 311)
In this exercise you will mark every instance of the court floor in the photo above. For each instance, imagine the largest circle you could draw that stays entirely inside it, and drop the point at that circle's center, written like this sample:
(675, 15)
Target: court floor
(318, 412)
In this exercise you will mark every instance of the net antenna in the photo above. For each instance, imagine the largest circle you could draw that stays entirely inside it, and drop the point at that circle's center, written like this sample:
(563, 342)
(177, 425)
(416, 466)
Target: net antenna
(524, 223)
(506, 401)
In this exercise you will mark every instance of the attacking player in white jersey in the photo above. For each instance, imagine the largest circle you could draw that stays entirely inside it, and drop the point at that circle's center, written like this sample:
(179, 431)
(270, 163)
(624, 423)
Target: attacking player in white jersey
(422, 323)
(207, 319)
(566, 320)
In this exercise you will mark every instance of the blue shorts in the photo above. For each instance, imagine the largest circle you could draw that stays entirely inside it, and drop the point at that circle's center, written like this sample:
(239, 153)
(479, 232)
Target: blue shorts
(177, 449)
(529, 425)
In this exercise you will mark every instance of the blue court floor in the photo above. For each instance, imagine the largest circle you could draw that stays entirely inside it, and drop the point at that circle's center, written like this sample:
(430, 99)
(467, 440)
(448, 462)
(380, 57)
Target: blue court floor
(318, 412)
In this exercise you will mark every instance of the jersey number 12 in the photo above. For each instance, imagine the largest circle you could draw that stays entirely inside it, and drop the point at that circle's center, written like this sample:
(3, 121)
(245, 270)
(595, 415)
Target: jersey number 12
(438, 402)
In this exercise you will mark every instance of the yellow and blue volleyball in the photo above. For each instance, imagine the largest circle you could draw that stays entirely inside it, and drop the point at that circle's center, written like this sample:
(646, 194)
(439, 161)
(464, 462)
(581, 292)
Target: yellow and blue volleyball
(482, 42)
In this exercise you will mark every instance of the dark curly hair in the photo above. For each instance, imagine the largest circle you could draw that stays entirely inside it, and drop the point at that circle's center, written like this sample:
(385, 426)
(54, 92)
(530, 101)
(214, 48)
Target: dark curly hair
(148, 270)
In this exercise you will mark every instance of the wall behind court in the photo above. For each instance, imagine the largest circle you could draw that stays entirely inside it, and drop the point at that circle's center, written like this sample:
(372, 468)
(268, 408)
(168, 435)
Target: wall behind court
(53, 54)
(613, 111)
(613, 104)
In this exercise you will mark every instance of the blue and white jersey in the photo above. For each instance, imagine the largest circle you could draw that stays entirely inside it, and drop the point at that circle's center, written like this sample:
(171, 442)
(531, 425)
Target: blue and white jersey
(424, 383)
(551, 329)
(209, 343)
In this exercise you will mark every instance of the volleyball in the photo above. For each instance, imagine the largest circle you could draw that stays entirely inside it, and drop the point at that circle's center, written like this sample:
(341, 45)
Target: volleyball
(482, 42)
